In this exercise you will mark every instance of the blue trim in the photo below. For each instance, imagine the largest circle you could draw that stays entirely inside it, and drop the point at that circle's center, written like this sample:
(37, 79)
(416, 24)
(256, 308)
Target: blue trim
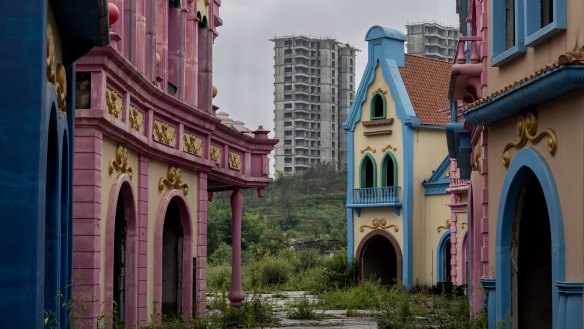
(499, 53)
(534, 32)
(440, 256)
(437, 183)
(527, 160)
(350, 186)
(489, 290)
(570, 306)
(544, 88)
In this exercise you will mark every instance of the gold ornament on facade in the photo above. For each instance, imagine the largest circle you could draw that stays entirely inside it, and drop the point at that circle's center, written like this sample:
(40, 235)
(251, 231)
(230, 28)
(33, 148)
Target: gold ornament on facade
(193, 145)
(447, 226)
(447, 173)
(388, 147)
(136, 119)
(207, 2)
(527, 131)
(173, 180)
(120, 163)
(462, 225)
(216, 154)
(234, 161)
(379, 90)
(113, 103)
(164, 133)
(379, 223)
(477, 157)
(368, 148)
(56, 73)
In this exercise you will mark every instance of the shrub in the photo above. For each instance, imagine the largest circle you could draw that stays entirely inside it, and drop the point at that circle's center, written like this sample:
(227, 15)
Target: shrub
(314, 280)
(274, 271)
(304, 310)
(307, 259)
(340, 273)
(218, 278)
(252, 313)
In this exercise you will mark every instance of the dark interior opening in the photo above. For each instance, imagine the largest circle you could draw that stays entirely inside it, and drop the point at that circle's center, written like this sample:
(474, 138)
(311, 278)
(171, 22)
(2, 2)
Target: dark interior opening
(389, 172)
(533, 265)
(368, 172)
(446, 261)
(509, 23)
(378, 106)
(547, 12)
(379, 261)
(120, 262)
(172, 237)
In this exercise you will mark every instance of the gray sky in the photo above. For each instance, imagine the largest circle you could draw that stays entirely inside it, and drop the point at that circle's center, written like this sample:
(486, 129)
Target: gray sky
(243, 55)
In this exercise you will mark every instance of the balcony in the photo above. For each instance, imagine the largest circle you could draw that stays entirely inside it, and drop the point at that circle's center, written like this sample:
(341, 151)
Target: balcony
(465, 77)
(375, 197)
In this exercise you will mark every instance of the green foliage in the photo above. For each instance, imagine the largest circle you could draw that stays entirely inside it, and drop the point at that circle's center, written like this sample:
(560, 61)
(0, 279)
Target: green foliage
(273, 271)
(253, 312)
(303, 310)
(218, 277)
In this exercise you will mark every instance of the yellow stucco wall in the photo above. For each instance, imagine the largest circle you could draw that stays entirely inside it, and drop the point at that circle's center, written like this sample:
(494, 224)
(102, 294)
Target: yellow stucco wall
(108, 154)
(157, 170)
(378, 143)
(566, 118)
(429, 212)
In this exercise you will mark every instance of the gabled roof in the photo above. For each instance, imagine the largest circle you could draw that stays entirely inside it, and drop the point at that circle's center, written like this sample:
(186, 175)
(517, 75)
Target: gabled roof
(427, 81)
(440, 179)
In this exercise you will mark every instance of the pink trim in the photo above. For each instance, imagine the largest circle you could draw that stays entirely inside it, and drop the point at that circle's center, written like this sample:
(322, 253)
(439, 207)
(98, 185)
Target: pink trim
(122, 188)
(464, 256)
(142, 238)
(236, 294)
(201, 275)
(187, 270)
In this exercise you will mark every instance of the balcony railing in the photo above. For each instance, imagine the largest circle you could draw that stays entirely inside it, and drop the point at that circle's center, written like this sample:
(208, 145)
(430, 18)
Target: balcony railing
(376, 196)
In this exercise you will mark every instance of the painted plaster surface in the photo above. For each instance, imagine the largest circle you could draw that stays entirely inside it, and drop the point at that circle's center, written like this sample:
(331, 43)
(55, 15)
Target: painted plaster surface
(378, 142)
(368, 215)
(157, 170)
(544, 54)
(566, 166)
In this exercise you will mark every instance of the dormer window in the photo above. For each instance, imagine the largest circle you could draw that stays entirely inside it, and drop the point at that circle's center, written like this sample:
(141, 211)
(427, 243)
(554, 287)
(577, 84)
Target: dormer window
(378, 106)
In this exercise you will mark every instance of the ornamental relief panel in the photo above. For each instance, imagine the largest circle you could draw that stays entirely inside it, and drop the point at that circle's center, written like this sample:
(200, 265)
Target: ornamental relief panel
(193, 144)
(114, 103)
(136, 119)
(164, 133)
(56, 73)
(234, 161)
(216, 154)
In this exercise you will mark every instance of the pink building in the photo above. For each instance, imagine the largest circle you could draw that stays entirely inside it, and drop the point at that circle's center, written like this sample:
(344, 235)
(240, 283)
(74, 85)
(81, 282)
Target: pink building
(149, 152)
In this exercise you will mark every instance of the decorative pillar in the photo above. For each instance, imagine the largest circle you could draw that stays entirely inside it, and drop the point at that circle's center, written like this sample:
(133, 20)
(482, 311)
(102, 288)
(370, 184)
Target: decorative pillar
(236, 291)
(489, 290)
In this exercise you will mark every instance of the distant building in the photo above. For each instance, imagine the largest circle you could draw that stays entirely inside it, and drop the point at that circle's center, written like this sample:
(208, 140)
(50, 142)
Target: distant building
(314, 84)
(432, 40)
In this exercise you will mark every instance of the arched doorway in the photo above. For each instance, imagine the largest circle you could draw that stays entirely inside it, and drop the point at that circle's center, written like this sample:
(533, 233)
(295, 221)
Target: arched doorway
(530, 257)
(172, 250)
(531, 260)
(380, 258)
(121, 255)
(368, 172)
(444, 258)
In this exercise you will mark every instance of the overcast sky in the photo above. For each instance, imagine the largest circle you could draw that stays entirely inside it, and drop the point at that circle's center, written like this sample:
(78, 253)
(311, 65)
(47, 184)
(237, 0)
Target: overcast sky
(243, 55)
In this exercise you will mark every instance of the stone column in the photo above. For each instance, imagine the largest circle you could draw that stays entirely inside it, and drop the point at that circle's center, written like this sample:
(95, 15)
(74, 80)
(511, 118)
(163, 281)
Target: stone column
(236, 291)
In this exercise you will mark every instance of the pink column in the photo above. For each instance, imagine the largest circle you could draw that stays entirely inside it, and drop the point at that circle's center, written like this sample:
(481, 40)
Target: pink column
(86, 223)
(142, 238)
(201, 287)
(485, 203)
(236, 291)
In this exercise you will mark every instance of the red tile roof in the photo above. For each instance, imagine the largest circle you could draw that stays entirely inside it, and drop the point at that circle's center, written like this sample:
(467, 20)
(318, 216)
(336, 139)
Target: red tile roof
(427, 82)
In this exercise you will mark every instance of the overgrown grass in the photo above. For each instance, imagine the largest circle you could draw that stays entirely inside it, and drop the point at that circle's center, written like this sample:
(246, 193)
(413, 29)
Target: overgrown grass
(303, 310)
(253, 312)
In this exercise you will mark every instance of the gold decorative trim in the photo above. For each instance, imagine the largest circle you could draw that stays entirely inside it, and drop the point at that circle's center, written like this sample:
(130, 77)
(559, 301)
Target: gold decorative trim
(234, 161)
(447, 225)
(368, 148)
(216, 154)
(207, 2)
(379, 223)
(379, 90)
(388, 147)
(173, 180)
(527, 131)
(193, 144)
(56, 73)
(136, 119)
(120, 163)
(447, 173)
(164, 133)
(113, 103)
(477, 157)
(462, 225)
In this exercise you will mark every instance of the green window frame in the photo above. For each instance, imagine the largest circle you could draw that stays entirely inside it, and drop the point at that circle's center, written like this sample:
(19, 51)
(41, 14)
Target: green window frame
(362, 178)
(374, 108)
(388, 156)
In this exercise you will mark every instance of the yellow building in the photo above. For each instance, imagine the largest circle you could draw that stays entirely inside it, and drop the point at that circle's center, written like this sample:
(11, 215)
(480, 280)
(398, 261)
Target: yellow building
(398, 209)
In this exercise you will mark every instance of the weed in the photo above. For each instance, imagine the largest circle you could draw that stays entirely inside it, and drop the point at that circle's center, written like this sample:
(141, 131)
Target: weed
(303, 310)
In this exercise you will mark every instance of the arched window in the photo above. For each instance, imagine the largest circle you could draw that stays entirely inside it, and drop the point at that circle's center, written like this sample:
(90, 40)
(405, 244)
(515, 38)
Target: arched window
(388, 170)
(378, 106)
(368, 172)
